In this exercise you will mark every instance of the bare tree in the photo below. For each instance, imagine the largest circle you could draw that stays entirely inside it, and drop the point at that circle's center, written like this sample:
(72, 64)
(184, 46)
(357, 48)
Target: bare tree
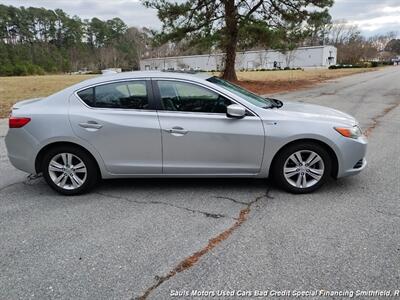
(380, 41)
(352, 46)
(341, 32)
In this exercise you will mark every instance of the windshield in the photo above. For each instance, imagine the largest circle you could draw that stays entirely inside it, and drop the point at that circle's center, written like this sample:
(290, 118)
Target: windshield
(243, 93)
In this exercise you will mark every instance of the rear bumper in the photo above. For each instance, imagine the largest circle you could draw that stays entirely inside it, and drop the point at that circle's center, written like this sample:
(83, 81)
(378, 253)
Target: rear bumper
(21, 148)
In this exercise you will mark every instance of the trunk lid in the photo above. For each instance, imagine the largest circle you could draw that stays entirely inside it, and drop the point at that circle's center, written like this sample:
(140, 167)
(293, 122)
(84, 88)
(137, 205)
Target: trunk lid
(22, 103)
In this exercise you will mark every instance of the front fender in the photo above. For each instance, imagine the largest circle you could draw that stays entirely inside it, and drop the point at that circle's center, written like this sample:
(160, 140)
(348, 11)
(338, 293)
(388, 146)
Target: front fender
(278, 137)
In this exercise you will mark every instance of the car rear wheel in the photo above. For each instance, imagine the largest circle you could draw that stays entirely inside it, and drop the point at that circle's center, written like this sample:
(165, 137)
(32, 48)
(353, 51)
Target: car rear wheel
(69, 170)
(302, 168)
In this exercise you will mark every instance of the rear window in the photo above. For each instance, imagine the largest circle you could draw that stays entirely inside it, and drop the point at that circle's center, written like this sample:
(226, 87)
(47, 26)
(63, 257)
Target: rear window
(127, 95)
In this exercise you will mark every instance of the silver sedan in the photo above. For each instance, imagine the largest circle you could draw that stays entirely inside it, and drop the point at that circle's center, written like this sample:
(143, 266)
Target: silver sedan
(158, 124)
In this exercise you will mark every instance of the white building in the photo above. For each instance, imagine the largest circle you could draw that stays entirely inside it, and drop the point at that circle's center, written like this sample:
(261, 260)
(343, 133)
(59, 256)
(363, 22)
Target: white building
(303, 57)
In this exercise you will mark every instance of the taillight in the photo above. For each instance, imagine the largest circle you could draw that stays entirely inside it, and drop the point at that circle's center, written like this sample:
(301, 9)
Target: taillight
(17, 122)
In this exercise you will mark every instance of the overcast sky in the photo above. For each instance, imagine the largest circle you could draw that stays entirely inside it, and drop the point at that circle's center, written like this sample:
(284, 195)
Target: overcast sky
(372, 16)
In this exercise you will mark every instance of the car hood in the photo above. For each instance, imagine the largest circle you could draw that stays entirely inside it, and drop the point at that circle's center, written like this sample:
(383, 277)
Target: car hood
(316, 112)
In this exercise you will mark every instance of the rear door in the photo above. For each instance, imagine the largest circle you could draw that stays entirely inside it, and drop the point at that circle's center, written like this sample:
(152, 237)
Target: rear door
(120, 121)
(199, 138)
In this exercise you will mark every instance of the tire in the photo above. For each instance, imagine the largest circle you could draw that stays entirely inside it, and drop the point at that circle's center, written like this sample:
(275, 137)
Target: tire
(289, 170)
(72, 164)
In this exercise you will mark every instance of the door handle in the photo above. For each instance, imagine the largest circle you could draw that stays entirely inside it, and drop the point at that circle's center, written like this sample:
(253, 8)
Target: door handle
(176, 130)
(91, 125)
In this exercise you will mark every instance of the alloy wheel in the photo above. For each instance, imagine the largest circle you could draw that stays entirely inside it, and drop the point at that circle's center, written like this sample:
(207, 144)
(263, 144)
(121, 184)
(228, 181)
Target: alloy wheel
(303, 169)
(67, 171)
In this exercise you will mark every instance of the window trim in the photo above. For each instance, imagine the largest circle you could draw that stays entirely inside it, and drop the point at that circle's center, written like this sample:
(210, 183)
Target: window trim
(159, 106)
(149, 89)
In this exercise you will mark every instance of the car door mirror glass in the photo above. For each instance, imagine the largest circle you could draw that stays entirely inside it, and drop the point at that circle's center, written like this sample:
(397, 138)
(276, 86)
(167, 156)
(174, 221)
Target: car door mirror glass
(235, 111)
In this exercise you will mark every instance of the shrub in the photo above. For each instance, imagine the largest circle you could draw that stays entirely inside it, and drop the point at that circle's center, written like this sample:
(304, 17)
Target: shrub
(30, 68)
(344, 67)
(95, 72)
(39, 70)
(6, 69)
(20, 70)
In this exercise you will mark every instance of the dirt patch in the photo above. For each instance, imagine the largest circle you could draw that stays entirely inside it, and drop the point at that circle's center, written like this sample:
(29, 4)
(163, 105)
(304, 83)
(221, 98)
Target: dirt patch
(276, 86)
(285, 81)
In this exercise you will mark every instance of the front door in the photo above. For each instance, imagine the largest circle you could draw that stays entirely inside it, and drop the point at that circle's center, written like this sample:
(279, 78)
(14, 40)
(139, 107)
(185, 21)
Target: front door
(118, 120)
(198, 137)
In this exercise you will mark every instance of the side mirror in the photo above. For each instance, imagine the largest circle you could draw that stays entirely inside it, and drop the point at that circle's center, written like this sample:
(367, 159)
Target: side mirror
(235, 111)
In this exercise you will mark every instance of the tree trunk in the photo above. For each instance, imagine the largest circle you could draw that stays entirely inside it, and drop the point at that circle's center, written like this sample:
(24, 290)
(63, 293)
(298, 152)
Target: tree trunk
(229, 71)
(231, 39)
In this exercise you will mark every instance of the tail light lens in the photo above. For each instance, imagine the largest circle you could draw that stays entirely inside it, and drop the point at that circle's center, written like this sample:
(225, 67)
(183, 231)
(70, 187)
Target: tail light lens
(18, 122)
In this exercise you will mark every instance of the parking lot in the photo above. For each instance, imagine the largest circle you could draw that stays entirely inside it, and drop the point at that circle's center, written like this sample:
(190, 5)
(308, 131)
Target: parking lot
(153, 237)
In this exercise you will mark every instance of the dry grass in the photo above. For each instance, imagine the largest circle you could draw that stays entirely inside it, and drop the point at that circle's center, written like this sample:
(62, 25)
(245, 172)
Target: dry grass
(14, 89)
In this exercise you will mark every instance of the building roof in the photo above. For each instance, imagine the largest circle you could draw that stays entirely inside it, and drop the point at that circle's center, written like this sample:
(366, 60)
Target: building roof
(222, 53)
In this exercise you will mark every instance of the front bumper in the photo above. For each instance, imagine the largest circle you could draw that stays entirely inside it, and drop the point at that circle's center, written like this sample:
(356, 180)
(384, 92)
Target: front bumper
(355, 171)
(352, 160)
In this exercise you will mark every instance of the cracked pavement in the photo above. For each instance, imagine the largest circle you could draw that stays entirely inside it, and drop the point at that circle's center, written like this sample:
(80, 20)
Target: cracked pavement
(123, 238)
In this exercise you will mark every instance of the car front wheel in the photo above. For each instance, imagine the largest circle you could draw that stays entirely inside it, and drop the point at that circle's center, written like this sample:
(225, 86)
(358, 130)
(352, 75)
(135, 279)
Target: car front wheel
(69, 170)
(302, 168)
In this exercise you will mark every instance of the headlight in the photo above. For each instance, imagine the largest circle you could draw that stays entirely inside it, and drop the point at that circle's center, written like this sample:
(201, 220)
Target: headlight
(349, 132)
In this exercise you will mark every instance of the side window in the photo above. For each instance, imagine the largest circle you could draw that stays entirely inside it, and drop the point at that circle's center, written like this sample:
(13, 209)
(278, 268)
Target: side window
(87, 96)
(127, 94)
(182, 96)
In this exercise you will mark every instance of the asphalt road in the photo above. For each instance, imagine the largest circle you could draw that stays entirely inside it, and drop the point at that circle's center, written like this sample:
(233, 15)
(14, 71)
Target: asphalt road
(133, 236)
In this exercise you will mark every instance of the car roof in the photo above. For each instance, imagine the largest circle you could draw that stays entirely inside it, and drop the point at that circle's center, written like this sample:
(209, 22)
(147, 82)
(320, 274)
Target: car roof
(176, 74)
(199, 77)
